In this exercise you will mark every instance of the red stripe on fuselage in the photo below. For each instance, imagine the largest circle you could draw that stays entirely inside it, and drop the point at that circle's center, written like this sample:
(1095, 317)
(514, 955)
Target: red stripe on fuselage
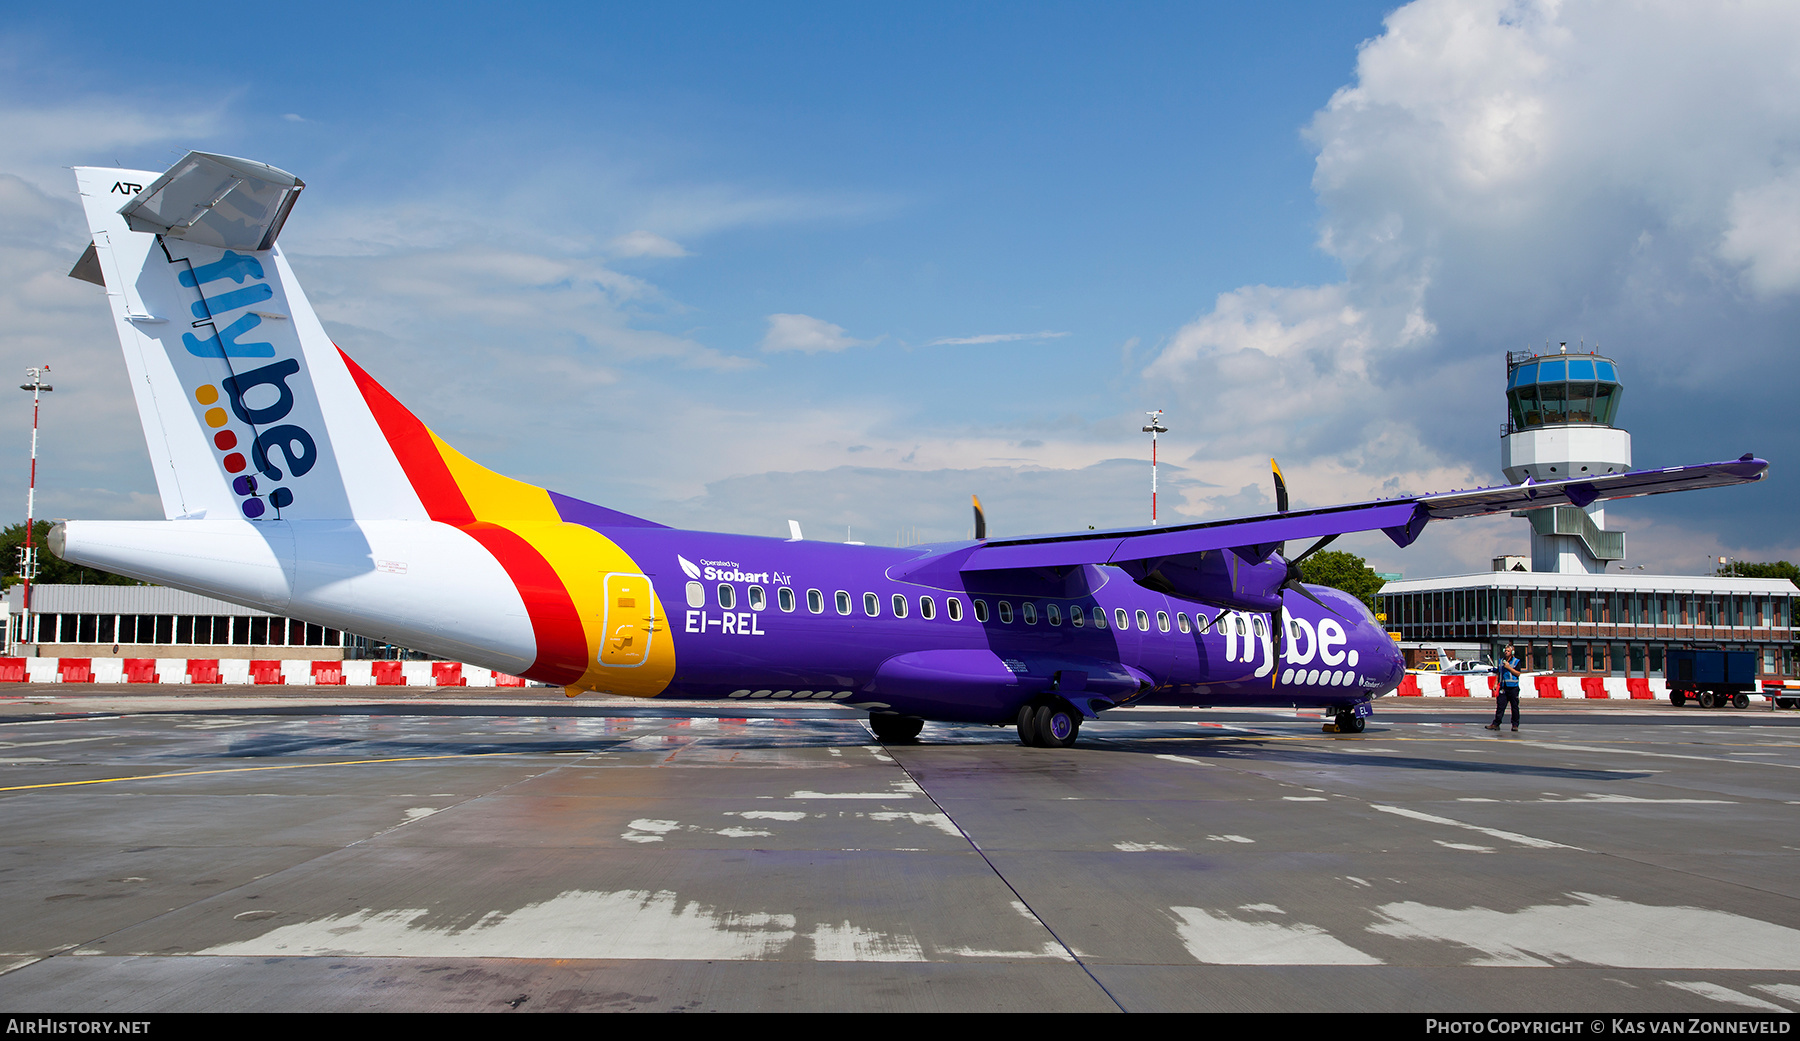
(555, 623)
(414, 447)
(561, 641)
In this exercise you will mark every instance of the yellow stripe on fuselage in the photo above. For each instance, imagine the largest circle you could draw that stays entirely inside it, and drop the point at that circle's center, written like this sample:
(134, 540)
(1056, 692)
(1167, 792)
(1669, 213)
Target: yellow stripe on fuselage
(581, 557)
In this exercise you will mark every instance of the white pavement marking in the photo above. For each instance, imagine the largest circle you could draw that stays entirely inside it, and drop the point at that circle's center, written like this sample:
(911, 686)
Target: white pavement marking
(1600, 930)
(1785, 991)
(1724, 994)
(1659, 755)
(934, 820)
(847, 942)
(41, 744)
(1495, 833)
(1464, 846)
(1216, 938)
(575, 924)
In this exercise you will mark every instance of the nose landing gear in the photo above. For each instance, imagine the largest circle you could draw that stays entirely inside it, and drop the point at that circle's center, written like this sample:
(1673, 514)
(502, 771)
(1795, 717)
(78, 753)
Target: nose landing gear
(895, 730)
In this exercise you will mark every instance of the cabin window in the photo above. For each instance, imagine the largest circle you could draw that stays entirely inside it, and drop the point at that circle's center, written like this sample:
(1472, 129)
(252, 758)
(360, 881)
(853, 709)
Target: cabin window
(981, 614)
(843, 602)
(871, 605)
(1078, 616)
(1143, 620)
(784, 598)
(899, 605)
(1121, 621)
(815, 601)
(1005, 612)
(756, 598)
(953, 608)
(1029, 611)
(1162, 621)
(696, 594)
(1262, 627)
(1182, 623)
(927, 608)
(1100, 617)
(727, 596)
(1053, 613)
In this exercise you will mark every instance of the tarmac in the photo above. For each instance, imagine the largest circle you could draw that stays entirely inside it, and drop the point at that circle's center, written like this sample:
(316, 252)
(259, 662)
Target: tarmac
(307, 849)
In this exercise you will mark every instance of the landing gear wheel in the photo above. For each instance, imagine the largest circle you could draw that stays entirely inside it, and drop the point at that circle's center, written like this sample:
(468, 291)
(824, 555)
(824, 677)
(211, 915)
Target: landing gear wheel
(895, 730)
(1740, 701)
(1057, 726)
(1028, 731)
(1677, 698)
(1350, 723)
(1708, 699)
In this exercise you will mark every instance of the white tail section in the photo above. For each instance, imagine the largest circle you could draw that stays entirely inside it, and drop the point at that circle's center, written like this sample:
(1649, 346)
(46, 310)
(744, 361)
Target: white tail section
(247, 405)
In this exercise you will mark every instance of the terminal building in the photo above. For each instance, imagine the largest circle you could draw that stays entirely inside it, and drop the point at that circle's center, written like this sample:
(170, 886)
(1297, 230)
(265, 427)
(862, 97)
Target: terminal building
(1575, 609)
(99, 621)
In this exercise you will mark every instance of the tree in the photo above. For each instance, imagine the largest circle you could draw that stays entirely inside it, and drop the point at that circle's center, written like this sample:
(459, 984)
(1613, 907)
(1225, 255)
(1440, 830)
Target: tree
(1345, 571)
(52, 570)
(1746, 569)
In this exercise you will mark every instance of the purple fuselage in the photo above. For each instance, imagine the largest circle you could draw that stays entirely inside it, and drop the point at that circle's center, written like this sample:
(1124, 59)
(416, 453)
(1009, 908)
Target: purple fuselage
(757, 618)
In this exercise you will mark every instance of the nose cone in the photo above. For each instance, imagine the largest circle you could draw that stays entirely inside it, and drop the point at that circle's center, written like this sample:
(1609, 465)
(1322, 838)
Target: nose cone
(1393, 662)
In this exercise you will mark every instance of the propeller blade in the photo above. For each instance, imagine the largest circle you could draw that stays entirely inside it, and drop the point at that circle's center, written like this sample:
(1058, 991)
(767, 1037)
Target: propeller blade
(1278, 622)
(1281, 494)
(1314, 548)
(980, 519)
(1307, 593)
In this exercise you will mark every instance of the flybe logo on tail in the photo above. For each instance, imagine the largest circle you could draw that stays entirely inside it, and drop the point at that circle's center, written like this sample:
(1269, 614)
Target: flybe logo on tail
(263, 460)
(224, 343)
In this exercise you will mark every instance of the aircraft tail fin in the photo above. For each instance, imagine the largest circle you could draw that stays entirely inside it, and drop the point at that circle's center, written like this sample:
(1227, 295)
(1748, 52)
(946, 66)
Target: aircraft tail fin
(249, 408)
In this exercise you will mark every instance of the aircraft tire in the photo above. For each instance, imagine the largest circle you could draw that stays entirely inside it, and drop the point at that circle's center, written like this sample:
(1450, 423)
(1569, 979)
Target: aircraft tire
(1028, 731)
(895, 730)
(1057, 726)
(1350, 723)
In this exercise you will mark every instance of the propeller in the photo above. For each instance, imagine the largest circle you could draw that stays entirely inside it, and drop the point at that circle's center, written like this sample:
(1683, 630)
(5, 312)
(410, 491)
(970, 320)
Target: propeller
(980, 519)
(1293, 580)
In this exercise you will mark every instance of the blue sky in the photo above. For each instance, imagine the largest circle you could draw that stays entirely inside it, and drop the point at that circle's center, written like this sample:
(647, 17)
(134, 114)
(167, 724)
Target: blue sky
(724, 265)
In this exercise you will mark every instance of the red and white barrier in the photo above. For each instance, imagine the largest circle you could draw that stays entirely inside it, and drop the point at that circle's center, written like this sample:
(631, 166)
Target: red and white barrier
(297, 672)
(1534, 684)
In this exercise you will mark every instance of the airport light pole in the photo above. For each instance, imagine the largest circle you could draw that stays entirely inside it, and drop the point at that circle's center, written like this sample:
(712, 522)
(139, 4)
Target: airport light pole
(28, 557)
(1154, 428)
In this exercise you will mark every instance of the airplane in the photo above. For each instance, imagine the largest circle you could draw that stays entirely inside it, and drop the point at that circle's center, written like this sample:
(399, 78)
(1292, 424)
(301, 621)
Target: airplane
(293, 482)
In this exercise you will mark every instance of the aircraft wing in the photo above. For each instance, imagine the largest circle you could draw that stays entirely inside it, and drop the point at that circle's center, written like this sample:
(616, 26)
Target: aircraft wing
(1401, 519)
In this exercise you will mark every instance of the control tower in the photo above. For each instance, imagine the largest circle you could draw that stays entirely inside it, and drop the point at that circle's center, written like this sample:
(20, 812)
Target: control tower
(1559, 424)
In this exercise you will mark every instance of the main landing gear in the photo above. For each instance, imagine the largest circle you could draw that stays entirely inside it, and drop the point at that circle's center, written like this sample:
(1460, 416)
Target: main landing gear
(1051, 724)
(895, 730)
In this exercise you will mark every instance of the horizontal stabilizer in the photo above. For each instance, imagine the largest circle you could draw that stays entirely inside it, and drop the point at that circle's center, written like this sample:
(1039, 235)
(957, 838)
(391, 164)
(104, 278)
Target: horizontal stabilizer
(216, 200)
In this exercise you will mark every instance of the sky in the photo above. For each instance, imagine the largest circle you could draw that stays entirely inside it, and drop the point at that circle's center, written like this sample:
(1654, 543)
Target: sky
(722, 265)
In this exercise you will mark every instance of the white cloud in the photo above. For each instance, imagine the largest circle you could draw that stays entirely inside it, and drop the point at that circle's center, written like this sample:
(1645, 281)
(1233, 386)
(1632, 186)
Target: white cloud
(996, 338)
(1764, 235)
(1497, 174)
(799, 332)
(645, 244)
